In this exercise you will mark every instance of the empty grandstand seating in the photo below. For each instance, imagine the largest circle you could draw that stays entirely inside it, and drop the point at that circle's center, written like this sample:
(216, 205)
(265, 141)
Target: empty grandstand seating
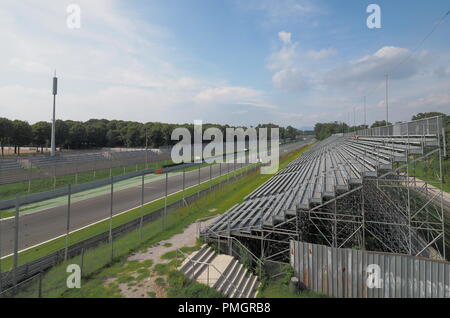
(331, 167)
(9, 164)
(46, 161)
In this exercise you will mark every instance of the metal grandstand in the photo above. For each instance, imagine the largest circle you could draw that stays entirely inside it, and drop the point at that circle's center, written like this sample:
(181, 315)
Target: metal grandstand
(354, 190)
(30, 167)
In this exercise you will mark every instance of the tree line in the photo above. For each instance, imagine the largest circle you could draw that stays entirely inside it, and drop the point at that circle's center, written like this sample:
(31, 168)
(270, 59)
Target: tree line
(98, 133)
(324, 130)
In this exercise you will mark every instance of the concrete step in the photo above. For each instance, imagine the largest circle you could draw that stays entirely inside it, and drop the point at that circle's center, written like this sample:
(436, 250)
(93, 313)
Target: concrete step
(187, 263)
(248, 283)
(231, 281)
(239, 291)
(197, 268)
(222, 272)
(236, 281)
(213, 273)
(227, 277)
(253, 287)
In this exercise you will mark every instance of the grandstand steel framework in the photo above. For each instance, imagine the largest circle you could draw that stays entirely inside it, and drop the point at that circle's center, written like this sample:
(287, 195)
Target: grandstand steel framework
(355, 190)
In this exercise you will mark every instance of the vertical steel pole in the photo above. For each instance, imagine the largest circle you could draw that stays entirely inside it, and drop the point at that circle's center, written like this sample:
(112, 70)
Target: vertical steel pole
(210, 177)
(198, 188)
(55, 90)
(29, 178)
(141, 222)
(184, 180)
(54, 177)
(40, 285)
(1, 284)
(16, 243)
(82, 261)
(165, 202)
(387, 100)
(365, 113)
(442, 202)
(68, 221)
(110, 218)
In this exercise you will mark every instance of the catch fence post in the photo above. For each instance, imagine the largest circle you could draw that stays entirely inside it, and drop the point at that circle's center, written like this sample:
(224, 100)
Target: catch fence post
(198, 188)
(16, 244)
(110, 219)
(40, 285)
(142, 206)
(165, 203)
(82, 261)
(68, 221)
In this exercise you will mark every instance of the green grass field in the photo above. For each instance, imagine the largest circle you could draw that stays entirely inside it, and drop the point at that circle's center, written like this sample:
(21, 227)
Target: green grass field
(429, 171)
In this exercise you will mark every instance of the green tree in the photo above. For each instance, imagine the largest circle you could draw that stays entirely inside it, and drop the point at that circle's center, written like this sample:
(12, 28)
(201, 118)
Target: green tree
(77, 137)
(380, 123)
(42, 131)
(6, 128)
(22, 135)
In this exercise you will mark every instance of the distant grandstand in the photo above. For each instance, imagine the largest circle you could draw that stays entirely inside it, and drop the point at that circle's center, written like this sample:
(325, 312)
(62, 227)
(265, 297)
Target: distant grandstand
(36, 166)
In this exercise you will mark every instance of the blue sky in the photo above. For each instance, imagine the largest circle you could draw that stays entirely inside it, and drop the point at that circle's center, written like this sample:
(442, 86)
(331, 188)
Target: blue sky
(291, 62)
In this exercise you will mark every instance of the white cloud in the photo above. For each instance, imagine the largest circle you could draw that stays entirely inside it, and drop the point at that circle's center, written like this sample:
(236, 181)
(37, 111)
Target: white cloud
(442, 71)
(282, 10)
(285, 64)
(396, 61)
(290, 79)
(257, 105)
(115, 66)
(227, 95)
(430, 101)
(285, 37)
(321, 54)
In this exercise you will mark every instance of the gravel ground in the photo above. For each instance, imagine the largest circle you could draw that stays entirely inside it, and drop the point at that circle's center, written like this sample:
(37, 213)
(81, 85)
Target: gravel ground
(154, 253)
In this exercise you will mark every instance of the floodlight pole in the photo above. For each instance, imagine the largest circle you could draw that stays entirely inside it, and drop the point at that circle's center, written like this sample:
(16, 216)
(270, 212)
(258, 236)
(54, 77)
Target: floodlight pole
(387, 99)
(365, 117)
(55, 91)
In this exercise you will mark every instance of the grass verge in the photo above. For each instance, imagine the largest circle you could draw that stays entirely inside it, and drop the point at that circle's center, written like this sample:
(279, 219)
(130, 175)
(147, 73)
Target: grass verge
(279, 288)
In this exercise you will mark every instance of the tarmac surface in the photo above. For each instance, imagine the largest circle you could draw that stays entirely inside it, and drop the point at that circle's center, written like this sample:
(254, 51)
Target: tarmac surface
(41, 226)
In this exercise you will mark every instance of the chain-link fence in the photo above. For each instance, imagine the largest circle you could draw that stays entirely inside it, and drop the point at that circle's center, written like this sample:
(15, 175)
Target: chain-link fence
(154, 205)
(92, 227)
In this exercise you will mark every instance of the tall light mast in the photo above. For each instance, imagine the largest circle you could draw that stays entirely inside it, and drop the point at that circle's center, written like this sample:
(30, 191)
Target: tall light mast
(55, 91)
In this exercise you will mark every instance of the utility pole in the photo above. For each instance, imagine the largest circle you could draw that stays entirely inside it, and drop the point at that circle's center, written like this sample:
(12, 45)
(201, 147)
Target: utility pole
(55, 91)
(387, 100)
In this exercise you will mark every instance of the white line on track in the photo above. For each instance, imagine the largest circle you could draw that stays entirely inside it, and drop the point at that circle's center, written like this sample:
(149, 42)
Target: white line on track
(105, 219)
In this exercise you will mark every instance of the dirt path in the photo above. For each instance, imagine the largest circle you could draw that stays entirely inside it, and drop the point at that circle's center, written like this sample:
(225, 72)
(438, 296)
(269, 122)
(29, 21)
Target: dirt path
(151, 286)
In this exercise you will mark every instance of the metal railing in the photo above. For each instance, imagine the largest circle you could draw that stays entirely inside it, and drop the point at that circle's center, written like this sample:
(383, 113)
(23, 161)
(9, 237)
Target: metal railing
(230, 283)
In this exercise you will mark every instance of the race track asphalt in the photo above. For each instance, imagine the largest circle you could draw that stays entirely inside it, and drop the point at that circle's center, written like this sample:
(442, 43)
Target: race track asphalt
(45, 225)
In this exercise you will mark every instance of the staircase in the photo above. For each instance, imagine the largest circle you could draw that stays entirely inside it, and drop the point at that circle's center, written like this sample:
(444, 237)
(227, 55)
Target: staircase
(222, 272)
